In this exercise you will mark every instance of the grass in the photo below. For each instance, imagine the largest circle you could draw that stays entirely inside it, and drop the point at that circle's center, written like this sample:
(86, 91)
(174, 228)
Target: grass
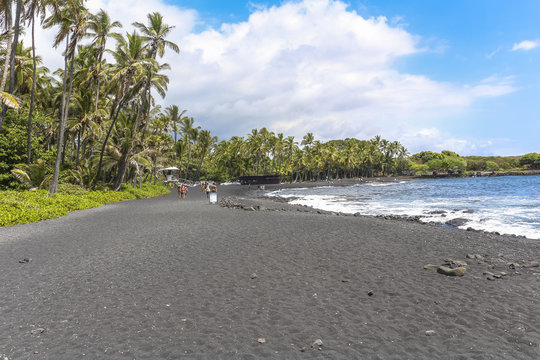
(22, 207)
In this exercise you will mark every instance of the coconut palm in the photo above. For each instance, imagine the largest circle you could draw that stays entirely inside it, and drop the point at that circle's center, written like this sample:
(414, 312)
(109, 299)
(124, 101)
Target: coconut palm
(101, 29)
(34, 8)
(131, 61)
(11, 56)
(154, 36)
(73, 21)
(204, 143)
(175, 117)
(6, 22)
(33, 176)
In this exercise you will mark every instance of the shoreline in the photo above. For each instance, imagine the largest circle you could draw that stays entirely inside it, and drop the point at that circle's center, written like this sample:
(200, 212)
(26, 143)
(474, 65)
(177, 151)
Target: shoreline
(252, 200)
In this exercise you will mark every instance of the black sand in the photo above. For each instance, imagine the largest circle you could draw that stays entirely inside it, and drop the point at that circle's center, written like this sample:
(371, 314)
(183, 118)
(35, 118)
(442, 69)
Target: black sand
(169, 279)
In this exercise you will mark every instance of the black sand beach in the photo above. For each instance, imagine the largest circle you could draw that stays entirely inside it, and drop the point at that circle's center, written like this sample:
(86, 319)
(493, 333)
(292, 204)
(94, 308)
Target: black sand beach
(165, 278)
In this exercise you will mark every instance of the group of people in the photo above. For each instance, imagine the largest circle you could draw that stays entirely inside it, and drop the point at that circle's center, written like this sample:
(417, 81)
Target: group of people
(183, 189)
(207, 188)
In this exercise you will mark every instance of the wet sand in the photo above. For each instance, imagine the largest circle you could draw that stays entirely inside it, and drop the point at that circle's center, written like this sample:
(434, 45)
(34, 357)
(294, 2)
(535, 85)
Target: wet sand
(165, 278)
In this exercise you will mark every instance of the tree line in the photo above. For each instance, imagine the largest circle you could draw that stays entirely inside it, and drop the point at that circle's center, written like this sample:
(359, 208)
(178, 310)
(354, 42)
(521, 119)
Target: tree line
(97, 121)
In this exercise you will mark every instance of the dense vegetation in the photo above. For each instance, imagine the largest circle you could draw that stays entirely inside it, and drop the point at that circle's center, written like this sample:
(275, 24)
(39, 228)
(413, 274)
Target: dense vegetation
(97, 123)
(20, 207)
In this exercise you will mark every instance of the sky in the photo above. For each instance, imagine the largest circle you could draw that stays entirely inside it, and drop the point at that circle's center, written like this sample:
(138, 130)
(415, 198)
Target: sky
(460, 75)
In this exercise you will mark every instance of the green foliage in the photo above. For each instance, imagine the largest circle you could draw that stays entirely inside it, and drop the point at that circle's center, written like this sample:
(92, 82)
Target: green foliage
(448, 153)
(476, 165)
(20, 207)
(447, 163)
(72, 189)
(531, 160)
(479, 163)
(454, 162)
(36, 175)
(419, 168)
(491, 166)
(13, 138)
(426, 156)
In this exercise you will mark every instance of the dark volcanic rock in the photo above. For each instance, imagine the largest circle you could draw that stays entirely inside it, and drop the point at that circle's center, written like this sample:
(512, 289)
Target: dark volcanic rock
(457, 222)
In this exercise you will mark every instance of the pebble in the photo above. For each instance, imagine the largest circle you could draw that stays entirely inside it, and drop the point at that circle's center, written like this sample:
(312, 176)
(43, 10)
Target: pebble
(253, 276)
(25, 260)
(431, 332)
(317, 343)
(370, 293)
(531, 264)
(37, 331)
(261, 340)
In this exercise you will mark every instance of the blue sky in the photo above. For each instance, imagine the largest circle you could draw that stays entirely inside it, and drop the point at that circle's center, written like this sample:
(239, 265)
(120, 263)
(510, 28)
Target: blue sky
(461, 75)
(467, 41)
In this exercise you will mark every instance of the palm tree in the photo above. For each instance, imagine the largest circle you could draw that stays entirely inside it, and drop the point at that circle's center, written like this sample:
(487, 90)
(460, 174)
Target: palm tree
(192, 136)
(6, 18)
(204, 143)
(101, 28)
(131, 61)
(34, 8)
(73, 18)
(14, 44)
(9, 100)
(154, 35)
(174, 117)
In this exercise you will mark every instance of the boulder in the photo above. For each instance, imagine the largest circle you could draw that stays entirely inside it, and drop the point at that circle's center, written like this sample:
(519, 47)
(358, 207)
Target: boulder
(457, 222)
(460, 271)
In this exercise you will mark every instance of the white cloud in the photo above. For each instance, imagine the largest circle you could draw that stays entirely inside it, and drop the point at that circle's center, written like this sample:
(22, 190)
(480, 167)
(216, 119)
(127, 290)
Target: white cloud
(311, 65)
(526, 45)
(437, 140)
(183, 19)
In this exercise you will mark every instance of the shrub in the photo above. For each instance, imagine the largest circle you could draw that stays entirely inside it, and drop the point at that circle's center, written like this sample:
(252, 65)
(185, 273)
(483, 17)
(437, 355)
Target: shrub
(491, 166)
(20, 207)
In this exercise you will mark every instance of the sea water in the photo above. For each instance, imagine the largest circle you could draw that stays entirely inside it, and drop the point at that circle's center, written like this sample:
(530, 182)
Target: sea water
(506, 204)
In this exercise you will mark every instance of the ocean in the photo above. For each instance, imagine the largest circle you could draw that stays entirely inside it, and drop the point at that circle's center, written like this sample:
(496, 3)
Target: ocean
(506, 204)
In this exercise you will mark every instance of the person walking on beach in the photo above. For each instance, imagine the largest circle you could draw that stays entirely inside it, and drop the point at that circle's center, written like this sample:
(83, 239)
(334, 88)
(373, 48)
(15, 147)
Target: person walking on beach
(208, 190)
(183, 191)
(179, 189)
(186, 190)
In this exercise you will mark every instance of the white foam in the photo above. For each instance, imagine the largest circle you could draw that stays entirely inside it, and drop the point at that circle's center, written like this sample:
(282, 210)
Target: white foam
(490, 220)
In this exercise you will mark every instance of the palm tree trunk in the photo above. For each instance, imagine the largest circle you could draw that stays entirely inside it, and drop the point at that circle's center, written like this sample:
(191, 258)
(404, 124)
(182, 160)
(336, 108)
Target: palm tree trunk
(200, 165)
(6, 63)
(12, 57)
(100, 60)
(189, 160)
(32, 96)
(54, 182)
(144, 104)
(121, 170)
(61, 150)
(78, 147)
(98, 171)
